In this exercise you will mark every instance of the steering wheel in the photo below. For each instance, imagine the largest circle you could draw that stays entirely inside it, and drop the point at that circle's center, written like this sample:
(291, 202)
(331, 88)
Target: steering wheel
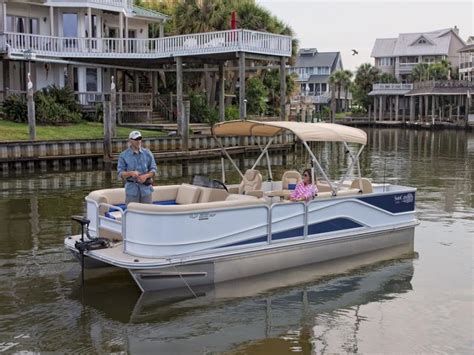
(220, 183)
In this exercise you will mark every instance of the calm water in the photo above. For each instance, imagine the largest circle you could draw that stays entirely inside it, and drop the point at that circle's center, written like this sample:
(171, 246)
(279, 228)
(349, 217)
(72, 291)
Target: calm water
(421, 303)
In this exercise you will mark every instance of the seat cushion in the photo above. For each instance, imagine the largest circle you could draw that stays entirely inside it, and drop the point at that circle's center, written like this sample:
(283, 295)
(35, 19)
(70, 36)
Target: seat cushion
(187, 194)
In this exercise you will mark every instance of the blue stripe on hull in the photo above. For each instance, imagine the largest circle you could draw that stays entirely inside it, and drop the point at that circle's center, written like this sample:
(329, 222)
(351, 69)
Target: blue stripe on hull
(395, 203)
(290, 233)
(332, 225)
(244, 242)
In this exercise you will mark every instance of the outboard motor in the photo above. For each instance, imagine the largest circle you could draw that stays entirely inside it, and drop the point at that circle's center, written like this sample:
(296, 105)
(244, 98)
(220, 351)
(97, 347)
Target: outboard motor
(90, 243)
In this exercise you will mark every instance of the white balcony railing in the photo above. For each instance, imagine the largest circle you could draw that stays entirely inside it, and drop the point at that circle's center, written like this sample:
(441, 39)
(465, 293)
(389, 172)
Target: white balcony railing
(184, 45)
(392, 86)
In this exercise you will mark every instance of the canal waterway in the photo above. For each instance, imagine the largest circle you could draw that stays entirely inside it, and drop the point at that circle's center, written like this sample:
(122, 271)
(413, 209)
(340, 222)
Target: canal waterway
(420, 303)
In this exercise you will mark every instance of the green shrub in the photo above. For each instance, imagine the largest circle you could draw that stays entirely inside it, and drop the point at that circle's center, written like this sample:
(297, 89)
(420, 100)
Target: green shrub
(63, 96)
(53, 105)
(51, 112)
(200, 111)
(15, 109)
(232, 113)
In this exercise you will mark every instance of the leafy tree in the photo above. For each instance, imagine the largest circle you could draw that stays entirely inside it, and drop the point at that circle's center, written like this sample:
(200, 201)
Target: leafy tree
(257, 95)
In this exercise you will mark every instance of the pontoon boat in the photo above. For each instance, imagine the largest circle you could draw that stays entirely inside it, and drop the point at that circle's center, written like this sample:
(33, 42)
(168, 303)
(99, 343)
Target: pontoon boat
(209, 232)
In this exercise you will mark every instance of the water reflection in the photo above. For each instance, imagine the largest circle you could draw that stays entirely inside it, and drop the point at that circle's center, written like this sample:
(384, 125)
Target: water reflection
(242, 311)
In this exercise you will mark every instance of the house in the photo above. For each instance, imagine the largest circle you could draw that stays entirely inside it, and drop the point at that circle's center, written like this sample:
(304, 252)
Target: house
(398, 56)
(83, 44)
(65, 43)
(313, 69)
(466, 61)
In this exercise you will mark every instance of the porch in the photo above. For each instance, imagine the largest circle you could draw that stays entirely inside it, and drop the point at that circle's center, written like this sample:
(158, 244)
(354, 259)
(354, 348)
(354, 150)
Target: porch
(210, 43)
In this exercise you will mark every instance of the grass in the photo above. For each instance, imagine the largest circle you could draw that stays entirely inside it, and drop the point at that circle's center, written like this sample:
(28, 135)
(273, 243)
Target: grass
(13, 131)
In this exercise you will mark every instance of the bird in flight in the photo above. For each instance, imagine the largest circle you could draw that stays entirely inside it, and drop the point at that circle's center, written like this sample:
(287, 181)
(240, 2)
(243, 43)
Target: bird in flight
(354, 52)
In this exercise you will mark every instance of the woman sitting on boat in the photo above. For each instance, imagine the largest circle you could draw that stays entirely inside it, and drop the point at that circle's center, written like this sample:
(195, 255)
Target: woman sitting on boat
(304, 190)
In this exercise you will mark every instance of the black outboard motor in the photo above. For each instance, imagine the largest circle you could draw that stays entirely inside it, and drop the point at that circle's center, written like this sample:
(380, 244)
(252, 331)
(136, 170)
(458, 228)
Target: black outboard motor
(90, 243)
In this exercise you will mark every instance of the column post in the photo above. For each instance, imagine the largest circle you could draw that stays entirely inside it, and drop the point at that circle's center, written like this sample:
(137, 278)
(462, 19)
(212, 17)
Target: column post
(412, 108)
(221, 92)
(113, 108)
(397, 99)
(242, 98)
(380, 108)
(31, 109)
(282, 88)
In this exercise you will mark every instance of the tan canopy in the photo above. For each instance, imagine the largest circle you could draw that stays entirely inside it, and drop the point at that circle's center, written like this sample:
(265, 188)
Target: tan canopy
(309, 132)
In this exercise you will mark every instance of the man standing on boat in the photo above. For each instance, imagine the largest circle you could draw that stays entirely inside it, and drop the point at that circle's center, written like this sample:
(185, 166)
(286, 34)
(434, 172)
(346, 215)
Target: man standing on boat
(136, 165)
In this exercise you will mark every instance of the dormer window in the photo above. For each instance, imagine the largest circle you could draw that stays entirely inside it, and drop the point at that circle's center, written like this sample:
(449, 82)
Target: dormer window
(421, 41)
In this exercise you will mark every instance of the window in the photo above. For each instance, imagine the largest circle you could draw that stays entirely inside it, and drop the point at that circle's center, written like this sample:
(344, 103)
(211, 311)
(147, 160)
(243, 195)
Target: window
(323, 87)
(91, 79)
(422, 41)
(70, 25)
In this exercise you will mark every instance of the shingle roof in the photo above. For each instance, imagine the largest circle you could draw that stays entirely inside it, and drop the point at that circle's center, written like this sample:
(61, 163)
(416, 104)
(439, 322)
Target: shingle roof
(312, 58)
(406, 44)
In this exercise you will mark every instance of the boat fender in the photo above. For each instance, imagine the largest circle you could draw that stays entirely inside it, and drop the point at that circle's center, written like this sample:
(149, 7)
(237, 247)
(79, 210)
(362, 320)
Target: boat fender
(94, 244)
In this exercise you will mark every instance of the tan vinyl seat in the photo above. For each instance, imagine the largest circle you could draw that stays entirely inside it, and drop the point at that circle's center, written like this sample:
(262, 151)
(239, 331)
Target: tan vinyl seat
(290, 177)
(365, 183)
(187, 194)
(235, 197)
(251, 182)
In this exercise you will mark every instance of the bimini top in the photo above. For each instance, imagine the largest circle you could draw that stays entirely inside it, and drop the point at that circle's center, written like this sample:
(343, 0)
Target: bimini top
(309, 132)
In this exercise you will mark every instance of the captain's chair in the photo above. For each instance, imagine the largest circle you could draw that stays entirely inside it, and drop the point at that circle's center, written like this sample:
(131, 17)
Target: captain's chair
(364, 183)
(290, 179)
(251, 183)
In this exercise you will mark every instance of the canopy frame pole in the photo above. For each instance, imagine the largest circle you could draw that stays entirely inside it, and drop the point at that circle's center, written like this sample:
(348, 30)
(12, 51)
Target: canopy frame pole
(228, 157)
(318, 165)
(263, 152)
(358, 170)
(223, 168)
(351, 166)
(270, 175)
(359, 173)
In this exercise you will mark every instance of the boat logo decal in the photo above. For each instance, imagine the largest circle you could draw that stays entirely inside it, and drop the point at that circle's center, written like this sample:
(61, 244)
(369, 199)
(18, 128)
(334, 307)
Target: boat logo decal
(408, 198)
(202, 216)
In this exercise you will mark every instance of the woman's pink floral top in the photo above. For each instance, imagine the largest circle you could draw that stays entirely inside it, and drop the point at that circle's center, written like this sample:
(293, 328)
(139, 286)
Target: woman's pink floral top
(304, 192)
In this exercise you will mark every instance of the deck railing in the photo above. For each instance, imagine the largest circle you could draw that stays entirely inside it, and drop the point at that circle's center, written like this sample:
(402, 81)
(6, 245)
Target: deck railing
(392, 86)
(444, 84)
(184, 45)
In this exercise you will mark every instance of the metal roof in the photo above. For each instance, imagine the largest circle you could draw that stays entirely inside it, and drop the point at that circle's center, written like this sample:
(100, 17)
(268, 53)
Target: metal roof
(406, 44)
(313, 58)
(142, 12)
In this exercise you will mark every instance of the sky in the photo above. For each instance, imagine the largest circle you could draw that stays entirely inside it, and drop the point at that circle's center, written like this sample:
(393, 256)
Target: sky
(355, 24)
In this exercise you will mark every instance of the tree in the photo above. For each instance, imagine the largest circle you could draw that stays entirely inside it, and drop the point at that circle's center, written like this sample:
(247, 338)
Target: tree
(257, 96)
(346, 84)
(340, 79)
(420, 72)
(366, 76)
(387, 78)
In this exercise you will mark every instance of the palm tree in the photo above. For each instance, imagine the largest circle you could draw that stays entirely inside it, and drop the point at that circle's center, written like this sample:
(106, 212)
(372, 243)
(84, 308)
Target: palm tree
(387, 78)
(420, 72)
(346, 83)
(366, 76)
(333, 84)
